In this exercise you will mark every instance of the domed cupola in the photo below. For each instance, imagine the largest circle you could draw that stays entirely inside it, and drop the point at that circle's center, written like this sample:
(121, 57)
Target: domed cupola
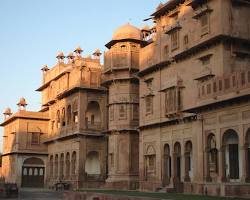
(126, 32)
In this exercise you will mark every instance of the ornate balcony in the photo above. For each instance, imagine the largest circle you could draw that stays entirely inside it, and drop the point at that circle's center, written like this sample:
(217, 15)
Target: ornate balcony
(225, 87)
(93, 125)
(121, 59)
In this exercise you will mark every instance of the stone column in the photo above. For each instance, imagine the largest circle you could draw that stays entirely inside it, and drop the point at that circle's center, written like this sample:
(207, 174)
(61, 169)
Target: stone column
(175, 178)
(245, 158)
(187, 178)
(222, 164)
(243, 154)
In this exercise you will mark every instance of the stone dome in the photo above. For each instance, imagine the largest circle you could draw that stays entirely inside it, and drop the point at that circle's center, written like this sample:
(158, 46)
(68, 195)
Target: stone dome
(7, 111)
(127, 31)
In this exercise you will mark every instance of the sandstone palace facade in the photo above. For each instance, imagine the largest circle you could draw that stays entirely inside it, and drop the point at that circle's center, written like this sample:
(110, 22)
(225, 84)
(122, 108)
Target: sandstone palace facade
(168, 110)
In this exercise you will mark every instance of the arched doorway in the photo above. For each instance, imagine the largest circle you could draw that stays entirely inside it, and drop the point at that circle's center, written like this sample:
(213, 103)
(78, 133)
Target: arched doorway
(150, 163)
(67, 162)
(92, 164)
(177, 162)
(61, 173)
(166, 165)
(93, 116)
(231, 154)
(33, 172)
(188, 161)
(247, 155)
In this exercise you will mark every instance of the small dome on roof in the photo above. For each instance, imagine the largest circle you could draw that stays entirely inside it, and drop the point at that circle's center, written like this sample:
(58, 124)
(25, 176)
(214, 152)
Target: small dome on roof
(60, 55)
(70, 55)
(127, 31)
(7, 111)
(45, 68)
(97, 52)
(22, 102)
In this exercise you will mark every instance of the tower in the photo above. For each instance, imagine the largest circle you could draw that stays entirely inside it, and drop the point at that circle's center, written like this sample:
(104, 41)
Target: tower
(121, 62)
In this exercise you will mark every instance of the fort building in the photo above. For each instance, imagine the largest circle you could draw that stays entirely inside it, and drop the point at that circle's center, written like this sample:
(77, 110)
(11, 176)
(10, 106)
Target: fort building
(168, 110)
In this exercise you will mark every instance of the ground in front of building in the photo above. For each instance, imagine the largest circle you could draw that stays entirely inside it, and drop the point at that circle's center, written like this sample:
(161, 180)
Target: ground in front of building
(38, 194)
(160, 195)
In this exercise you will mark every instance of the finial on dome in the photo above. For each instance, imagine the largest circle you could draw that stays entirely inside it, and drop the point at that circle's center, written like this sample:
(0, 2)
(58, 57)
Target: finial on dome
(7, 113)
(45, 68)
(78, 51)
(22, 104)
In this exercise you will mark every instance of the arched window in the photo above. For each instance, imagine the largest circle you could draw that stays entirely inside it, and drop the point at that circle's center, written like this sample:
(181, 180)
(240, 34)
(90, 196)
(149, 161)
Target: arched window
(58, 121)
(150, 163)
(247, 150)
(92, 164)
(69, 115)
(61, 166)
(67, 164)
(166, 165)
(73, 163)
(75, 112)
(231, 154)
(51, 165)
(188, 161)
(177, 161)
(93, 116)
(56, 166)
(63, 117)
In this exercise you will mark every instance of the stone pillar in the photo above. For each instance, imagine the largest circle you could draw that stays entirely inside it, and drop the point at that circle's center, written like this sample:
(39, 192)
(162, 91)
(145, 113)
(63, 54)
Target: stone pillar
(222, 164)
(187, 178)
(245, 158)
(243, 153)
(175, 178)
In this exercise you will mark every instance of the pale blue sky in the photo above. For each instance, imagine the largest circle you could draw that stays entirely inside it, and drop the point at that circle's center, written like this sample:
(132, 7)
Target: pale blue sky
(33, 31)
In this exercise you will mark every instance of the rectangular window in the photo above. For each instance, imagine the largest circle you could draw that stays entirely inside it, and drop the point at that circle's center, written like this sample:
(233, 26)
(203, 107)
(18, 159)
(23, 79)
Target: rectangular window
(111, 159)
(75, 117)
(204, 21)
(149, 104)
(35, 138)
(151, 162)
(122, 111)
(175, 40)
(135, 111)
(166, 52)
(173, 100)
(208, 88)
(243, 79)
(111, 113)
(185, 40)
(94, 78)
(215, 87)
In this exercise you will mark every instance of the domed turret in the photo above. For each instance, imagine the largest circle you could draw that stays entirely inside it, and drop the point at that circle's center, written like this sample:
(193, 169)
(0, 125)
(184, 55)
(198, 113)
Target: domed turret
(7, 113)
(22, 103)
(125, 32)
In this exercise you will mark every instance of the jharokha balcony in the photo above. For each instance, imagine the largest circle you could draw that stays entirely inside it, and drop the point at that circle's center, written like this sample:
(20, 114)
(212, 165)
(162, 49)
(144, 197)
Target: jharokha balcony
(222, 88)
(121, 59)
